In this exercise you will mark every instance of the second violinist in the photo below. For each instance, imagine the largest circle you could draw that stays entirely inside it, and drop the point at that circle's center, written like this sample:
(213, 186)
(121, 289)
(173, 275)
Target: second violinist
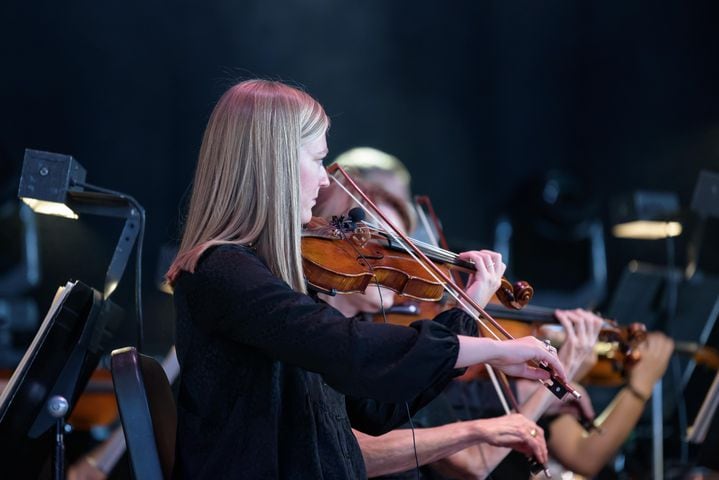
(271, 380)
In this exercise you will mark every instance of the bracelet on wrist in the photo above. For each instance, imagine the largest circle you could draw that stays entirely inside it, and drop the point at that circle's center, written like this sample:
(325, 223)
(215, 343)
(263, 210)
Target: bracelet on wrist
(636, 393)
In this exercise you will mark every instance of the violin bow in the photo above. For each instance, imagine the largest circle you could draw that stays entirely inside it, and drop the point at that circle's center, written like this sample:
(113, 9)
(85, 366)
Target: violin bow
(454, 290)
(558, 387)
(441, 240)
(423, 200)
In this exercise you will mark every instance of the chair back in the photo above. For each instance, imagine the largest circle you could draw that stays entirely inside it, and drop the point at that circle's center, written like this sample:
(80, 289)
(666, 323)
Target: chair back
(147, 412)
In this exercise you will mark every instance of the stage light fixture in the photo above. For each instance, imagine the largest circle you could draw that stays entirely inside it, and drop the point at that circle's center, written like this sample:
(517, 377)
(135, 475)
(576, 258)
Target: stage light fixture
(53, 183)
(646, 215)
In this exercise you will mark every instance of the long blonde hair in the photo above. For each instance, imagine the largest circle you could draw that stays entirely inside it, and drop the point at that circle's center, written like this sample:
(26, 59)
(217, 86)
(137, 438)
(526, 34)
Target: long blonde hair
(246, 186)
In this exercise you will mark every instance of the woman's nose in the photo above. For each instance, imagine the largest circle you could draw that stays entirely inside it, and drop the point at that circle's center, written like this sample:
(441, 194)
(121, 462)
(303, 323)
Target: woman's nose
(324, 179)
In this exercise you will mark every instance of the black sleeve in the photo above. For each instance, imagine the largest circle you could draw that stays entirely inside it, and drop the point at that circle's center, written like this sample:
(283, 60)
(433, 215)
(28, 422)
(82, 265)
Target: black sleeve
(239, 299)
(376, 418)
(458, 322)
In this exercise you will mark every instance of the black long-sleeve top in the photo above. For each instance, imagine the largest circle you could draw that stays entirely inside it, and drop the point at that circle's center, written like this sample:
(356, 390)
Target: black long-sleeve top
(272, 381)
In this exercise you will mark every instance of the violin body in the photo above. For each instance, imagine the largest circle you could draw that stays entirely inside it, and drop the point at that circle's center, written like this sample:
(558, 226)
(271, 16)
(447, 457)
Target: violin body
(349, 261)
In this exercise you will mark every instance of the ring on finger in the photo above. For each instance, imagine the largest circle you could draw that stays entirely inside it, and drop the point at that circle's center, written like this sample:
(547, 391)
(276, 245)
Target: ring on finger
(533, 432)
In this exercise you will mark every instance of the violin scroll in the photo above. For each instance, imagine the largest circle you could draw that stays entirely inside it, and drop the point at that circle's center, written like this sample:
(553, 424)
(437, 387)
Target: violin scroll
(516, 295)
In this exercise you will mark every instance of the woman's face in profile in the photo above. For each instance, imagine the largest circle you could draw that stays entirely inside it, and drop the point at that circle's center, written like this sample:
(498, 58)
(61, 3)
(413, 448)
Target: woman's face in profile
(313, 175)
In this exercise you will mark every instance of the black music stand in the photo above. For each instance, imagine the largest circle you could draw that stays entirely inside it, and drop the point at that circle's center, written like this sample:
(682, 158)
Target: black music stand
(51, 376)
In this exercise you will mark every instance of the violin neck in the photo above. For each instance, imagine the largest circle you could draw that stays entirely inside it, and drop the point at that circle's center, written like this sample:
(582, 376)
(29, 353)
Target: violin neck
(529, 314)
(436, 254)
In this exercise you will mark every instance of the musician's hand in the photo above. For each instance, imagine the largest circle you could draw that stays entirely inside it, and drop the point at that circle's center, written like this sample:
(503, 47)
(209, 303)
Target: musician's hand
(511, 356)
(514, 431)
(581, 329)
(487, 279)
(655, 353)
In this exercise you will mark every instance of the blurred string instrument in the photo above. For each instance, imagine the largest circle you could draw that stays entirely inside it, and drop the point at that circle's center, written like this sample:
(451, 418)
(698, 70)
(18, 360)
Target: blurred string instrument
(616, 347)
(617, 344)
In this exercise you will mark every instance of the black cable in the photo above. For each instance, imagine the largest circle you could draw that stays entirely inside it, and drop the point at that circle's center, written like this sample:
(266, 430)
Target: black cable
(138, 255)
(414, 439)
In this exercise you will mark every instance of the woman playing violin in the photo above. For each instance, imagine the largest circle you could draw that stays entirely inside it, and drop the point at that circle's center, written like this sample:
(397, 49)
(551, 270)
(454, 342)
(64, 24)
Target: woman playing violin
(270, 378)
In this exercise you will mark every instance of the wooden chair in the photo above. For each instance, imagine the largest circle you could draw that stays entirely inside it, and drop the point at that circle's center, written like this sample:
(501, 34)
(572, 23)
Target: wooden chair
(147, 412)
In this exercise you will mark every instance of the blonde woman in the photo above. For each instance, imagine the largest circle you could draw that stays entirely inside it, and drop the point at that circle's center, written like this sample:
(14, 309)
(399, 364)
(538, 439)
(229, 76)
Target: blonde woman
(272, 380)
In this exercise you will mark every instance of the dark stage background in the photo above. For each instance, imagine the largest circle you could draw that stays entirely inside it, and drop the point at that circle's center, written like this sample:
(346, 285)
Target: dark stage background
(483, 100)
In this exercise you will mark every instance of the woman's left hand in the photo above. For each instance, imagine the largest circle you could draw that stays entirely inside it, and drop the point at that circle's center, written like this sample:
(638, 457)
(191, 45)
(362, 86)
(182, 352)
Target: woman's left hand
(487, 278)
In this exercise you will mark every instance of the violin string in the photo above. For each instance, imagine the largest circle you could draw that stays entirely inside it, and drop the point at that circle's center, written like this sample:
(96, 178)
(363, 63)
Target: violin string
(425, 223)
(439, 253)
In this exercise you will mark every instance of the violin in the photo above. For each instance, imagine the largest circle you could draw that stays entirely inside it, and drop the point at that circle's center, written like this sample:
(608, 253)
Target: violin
(345, 255)
(616, 342)
(616, 347)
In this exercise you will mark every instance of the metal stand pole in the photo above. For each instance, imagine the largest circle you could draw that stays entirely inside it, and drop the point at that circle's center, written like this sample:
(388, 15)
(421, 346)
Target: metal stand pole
(657, 432)
(58, 407)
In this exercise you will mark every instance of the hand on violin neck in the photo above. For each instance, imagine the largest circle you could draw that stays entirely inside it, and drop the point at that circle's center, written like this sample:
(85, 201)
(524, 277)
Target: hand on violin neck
(655, 353)
(511, 356)
(487, 278)
(581, 329)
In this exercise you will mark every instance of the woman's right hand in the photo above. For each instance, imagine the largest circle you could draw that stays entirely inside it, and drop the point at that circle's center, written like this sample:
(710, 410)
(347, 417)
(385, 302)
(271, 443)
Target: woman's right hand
(514, 431)
(511, 357)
